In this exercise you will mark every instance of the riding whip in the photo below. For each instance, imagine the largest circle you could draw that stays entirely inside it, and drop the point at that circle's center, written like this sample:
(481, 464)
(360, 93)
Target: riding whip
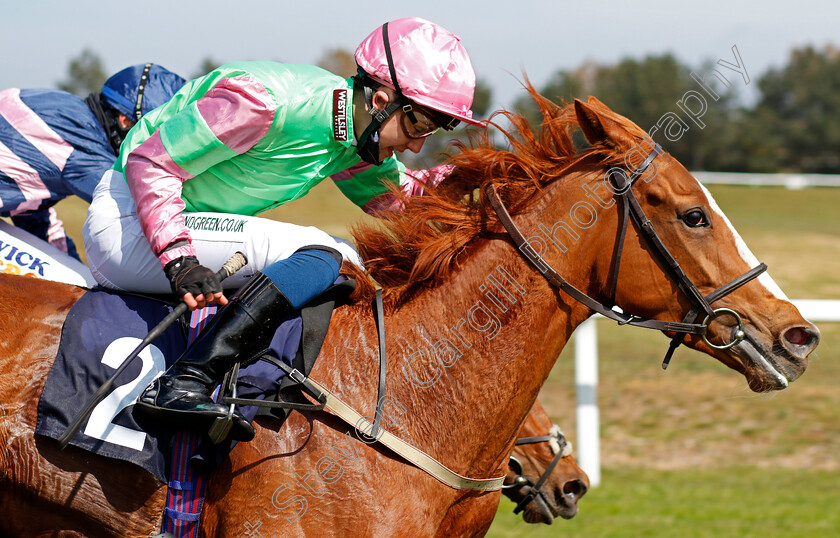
(234, 264)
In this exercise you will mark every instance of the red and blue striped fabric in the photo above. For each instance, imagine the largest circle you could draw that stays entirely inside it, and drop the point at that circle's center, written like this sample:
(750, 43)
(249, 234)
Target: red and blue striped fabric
(186, 483)
(193, 454)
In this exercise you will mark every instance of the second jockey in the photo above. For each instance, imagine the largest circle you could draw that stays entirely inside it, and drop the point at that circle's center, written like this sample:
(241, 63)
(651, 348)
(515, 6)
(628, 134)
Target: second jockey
(54, 144)
(245, 138)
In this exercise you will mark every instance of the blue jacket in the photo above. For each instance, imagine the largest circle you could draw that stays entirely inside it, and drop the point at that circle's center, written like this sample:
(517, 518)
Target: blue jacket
(51, 147)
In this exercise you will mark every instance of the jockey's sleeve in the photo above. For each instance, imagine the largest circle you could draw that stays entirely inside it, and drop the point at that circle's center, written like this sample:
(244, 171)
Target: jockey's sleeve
(51, 146)
(228, 120)
(368, 185)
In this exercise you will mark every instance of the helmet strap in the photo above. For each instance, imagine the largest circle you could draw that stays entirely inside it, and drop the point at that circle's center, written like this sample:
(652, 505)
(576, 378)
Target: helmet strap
(447, 125)
(368, 147)
(141, 87)
(108, 119)
(391, 70)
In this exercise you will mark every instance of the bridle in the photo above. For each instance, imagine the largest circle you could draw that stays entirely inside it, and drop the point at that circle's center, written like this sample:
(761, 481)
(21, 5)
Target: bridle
(561, 448)
(630, 209)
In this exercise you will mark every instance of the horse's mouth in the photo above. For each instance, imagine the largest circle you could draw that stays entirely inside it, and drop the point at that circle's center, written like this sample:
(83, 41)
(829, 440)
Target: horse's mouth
(765, 375)
(775, 366)
(538, 511)
(546, 507)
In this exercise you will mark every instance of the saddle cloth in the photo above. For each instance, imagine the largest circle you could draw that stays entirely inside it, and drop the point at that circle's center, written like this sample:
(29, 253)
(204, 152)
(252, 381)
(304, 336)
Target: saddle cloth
(104, 327)
(100, 331)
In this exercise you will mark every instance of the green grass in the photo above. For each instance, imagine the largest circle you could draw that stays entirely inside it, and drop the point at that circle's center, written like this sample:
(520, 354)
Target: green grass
(777, 209)
(691, 451)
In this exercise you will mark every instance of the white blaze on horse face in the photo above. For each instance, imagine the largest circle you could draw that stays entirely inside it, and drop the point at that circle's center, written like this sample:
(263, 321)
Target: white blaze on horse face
(744, 251)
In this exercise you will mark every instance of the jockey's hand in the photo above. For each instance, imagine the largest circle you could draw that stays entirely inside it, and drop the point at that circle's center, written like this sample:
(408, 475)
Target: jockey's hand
(197, 285)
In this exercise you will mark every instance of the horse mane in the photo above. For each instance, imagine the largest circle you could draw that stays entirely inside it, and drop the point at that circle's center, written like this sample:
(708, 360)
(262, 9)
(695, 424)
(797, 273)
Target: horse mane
(419, 246)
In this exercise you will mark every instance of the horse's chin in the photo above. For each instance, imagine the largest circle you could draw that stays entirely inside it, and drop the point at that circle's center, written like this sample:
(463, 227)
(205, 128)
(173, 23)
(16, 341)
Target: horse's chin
(545, 508)
(767, 367)
(538, 511)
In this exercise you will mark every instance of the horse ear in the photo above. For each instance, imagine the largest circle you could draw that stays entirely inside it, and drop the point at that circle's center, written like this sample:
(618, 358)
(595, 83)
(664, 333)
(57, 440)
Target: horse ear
(589, 123)
(601, 125)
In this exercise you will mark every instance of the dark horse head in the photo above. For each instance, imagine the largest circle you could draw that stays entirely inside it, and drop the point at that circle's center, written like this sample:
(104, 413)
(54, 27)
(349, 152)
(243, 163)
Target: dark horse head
(543, 478)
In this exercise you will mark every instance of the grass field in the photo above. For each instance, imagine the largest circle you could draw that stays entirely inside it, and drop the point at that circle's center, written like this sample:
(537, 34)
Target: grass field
(691, 451)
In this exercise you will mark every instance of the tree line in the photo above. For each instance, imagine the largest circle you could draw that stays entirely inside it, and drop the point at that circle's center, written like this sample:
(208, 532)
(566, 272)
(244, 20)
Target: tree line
(792, 125)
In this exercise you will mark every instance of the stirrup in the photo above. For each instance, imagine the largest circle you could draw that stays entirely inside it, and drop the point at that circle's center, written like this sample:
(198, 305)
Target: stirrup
(220, 429)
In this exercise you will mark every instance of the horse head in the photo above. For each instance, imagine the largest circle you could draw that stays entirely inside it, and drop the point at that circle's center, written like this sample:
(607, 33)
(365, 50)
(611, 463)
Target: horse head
(543, 478)
(752, 328)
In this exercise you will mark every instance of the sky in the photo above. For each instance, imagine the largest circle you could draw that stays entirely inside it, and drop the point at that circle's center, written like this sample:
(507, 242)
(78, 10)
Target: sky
(504, 38)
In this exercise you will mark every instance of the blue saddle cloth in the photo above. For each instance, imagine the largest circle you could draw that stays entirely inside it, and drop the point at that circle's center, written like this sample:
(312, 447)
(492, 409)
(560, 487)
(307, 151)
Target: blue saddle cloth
(100, 331)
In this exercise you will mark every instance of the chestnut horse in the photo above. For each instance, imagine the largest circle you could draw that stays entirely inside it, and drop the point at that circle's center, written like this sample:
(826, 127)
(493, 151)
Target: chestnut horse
(559, 495)
(543, 478)
(472, 329)
(565, 485)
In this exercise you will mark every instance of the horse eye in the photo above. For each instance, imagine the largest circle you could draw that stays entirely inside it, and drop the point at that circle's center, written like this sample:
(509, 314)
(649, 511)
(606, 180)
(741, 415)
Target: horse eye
(695, 218)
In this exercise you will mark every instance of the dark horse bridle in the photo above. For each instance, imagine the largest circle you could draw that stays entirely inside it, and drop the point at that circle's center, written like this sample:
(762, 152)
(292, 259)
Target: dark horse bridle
(564, 449)
(623, 188)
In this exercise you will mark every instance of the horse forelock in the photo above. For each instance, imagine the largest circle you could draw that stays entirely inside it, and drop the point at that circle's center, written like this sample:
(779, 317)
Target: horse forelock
(419, 246)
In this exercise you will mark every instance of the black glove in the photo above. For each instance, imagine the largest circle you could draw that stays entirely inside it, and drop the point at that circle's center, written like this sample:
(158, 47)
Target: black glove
(186, 275)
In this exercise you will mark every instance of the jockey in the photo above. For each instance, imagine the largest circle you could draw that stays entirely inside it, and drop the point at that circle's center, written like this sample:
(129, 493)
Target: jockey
(54, 144)
(245, 138)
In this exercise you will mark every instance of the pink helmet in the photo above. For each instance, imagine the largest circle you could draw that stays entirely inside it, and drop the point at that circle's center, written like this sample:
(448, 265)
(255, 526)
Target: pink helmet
(430, 64)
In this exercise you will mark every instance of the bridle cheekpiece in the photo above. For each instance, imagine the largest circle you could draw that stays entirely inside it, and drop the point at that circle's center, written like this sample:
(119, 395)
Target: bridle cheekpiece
(631, 209)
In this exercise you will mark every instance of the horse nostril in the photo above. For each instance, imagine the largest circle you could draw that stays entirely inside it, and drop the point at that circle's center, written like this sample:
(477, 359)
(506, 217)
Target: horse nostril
(576, 488)
(797, 336)
(805, 336)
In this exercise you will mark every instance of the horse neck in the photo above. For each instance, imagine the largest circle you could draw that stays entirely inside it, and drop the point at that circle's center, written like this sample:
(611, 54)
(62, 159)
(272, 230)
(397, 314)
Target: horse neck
(468, 357)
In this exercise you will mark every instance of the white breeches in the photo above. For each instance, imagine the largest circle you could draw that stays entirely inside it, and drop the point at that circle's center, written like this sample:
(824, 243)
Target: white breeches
(119, 256)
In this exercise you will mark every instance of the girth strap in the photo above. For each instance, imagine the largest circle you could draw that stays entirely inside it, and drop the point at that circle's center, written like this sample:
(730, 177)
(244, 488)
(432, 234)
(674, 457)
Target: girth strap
(413, 455)
(292, 373)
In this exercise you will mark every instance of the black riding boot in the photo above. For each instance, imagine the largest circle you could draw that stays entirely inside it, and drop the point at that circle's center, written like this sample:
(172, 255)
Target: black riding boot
(182, 394)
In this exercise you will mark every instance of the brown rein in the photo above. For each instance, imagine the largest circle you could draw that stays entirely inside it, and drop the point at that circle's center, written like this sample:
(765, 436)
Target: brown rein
(700, 303)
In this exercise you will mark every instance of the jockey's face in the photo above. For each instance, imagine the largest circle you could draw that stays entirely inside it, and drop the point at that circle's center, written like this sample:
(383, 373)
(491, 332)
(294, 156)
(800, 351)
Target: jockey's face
(393, 135)
(124, 122)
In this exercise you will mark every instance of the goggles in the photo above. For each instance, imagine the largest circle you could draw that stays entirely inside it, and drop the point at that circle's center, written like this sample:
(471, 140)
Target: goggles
(419, 123)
